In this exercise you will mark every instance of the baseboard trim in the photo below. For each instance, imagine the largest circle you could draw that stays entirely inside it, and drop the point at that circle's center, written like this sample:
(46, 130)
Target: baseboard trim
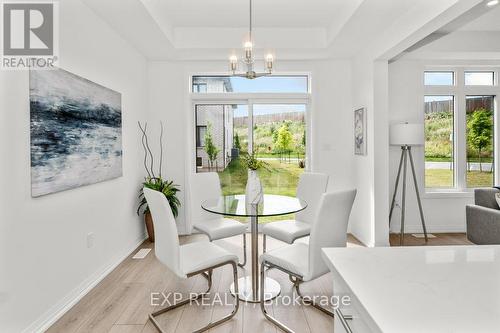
(437, 229)
(67, 302)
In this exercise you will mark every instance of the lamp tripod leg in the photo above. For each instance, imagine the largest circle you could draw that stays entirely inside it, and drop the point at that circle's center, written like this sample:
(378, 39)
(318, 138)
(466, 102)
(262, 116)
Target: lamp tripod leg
(396, 186)
(418, 195)
(403, 198)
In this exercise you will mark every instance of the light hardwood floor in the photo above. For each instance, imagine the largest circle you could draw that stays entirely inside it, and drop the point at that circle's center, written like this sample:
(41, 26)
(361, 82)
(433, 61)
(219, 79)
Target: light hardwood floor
(440, 239)
(121, 302)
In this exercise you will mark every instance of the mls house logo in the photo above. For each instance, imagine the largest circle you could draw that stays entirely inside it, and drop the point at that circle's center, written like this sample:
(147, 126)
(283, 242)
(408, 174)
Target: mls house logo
(29, 35)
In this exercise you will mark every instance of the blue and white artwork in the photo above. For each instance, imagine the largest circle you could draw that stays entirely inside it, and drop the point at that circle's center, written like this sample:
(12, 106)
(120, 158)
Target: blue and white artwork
(76, 136)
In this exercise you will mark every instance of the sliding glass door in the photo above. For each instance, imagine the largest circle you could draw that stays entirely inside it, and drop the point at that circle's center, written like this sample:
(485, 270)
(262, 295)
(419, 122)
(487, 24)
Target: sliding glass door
(274, 132)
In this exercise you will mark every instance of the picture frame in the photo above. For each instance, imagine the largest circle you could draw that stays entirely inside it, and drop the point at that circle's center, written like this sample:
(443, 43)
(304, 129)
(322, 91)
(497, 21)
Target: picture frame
(360, 147)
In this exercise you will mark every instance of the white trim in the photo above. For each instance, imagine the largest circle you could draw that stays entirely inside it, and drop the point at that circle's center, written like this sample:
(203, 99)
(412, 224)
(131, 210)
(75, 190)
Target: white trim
(446, 194)
(261, 97)
(46, 320)
(432, 229)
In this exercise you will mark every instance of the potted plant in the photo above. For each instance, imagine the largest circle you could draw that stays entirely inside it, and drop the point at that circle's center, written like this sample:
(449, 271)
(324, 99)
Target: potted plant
(169, 189)
(254, 193)
(157, 183)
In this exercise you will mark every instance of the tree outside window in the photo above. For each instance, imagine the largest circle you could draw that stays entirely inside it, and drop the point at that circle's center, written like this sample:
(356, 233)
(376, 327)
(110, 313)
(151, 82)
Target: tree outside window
(210, 148)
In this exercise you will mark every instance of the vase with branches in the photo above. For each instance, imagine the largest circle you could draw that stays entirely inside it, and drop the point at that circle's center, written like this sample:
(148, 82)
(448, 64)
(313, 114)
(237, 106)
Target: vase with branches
(155, 181)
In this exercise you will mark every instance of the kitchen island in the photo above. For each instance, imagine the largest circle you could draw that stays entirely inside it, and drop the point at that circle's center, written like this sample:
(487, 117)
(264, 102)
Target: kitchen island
(417, 289)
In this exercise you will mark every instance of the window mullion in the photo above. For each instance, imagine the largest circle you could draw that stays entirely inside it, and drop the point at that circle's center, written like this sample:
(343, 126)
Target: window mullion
(460, 133)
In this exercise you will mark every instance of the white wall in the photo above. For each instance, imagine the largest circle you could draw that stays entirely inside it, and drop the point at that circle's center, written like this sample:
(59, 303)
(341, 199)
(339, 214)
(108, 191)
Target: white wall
(443, 212)
(370, 212)
(44, 259)
(331, 117)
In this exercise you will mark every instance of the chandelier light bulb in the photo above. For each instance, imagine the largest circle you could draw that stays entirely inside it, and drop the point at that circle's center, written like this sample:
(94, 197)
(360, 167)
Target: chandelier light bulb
(233, 63)
(269, 62)
(492, 3)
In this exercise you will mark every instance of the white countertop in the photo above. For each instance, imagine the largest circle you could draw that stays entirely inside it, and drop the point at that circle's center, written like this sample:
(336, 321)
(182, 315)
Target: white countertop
(423, 289)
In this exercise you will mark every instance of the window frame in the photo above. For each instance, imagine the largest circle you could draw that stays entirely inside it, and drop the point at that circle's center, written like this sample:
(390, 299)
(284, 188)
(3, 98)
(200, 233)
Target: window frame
(460, 91)
(454, 78)
(495, 78)
(249, 99)
(306, 75)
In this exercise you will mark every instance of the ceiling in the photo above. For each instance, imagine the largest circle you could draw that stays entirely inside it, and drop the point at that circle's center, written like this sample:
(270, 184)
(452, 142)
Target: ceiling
(474, 35)
(490, 21)
(235, 13)
(291, 29)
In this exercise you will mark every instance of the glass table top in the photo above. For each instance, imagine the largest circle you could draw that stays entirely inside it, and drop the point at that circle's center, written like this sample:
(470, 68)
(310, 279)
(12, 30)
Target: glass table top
(235, 205)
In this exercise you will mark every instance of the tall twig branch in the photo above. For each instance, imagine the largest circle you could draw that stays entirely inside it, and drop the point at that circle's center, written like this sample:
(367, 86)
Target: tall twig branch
(149, 150)
(145, 150)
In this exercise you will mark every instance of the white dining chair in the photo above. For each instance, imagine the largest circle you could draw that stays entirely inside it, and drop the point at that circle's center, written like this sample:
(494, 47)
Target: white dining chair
(205, 186)
(186, 260)
(303, 262)
(310, 188)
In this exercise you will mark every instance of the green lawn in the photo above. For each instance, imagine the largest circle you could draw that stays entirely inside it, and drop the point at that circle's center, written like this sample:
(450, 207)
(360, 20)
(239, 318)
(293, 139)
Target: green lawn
(442, 178)
(282, 178)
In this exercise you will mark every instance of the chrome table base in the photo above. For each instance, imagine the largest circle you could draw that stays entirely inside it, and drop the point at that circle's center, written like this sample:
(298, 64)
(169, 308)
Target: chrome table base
(271, 290)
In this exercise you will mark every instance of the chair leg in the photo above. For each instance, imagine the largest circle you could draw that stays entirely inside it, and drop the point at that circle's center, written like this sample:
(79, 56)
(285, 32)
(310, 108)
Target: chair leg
(282, 326)
(307, 300)
(244, 251)
(208, 275)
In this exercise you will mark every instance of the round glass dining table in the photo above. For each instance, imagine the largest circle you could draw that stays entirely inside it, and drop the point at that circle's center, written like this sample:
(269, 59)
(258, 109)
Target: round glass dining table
(272, 205)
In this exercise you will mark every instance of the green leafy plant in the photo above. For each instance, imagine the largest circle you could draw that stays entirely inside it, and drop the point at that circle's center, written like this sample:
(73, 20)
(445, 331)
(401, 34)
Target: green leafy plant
(168, 188)
(250, 162)
(154, 182)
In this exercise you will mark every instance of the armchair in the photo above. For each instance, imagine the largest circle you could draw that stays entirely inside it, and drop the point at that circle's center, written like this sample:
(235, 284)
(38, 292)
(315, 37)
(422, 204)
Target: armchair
(483, 218)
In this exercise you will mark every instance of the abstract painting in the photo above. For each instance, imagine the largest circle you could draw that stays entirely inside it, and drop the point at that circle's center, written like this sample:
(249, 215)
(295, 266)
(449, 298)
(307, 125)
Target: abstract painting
(76, 132)
(360, 131)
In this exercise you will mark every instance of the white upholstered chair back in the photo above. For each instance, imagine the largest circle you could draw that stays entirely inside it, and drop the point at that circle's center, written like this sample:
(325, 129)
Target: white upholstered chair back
(329, 229)
(166, 236)
(203, 186)
(310, 188)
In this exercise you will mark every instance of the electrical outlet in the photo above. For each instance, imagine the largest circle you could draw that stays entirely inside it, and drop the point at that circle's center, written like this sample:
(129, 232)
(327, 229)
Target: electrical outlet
(90, 240)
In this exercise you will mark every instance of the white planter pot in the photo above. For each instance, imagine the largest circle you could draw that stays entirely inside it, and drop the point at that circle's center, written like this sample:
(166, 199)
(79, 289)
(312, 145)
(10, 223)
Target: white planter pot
(254, 193)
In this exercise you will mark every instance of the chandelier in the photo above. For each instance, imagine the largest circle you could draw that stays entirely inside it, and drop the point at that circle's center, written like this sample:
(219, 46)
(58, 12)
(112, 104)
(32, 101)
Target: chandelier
(249, 60)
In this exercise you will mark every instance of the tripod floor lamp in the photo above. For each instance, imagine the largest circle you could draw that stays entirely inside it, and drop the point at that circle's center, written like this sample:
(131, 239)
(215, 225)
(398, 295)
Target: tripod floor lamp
(406, 136)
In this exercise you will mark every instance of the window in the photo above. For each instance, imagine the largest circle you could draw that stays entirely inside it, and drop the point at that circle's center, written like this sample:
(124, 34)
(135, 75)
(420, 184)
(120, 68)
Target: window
(432, 78)
(479, 78)
(201, 131)
(480, 146)
(439, 157)
(265, 84)
(460, 123)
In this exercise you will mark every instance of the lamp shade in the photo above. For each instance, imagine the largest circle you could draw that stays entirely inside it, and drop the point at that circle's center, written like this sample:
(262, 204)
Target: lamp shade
(406, 134)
